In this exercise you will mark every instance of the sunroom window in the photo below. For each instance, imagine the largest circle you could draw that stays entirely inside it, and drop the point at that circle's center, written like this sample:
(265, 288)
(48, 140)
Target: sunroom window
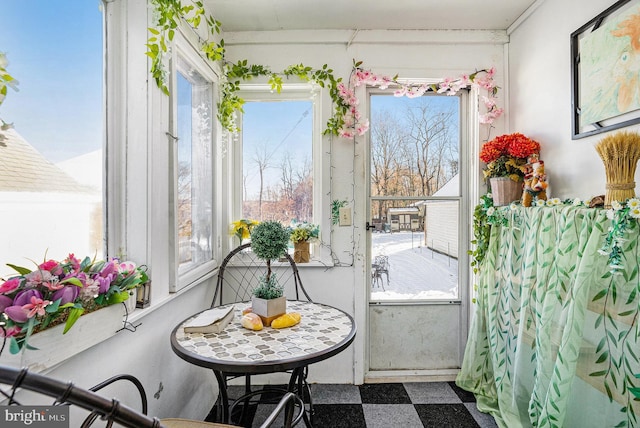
(193, 171)
(279, 165)
(51, 161)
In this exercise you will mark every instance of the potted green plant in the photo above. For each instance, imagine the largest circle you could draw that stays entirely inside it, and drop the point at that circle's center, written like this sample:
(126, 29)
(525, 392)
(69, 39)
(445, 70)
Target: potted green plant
(301, 235)
(269, 241)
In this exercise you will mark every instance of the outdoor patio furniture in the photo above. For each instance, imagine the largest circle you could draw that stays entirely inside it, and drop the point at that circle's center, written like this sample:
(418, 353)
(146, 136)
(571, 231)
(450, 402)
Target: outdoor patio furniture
(379, 267)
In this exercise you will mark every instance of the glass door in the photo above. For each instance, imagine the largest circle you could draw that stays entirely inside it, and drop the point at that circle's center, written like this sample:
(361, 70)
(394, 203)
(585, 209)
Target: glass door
(417, 175)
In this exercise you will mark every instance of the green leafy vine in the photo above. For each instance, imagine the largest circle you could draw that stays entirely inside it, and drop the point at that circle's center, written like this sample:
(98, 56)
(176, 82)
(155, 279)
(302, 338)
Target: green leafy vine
(345, 120)
(167, 15)
(484, 216)
(624, 218)
(6, 81)
(231, 103)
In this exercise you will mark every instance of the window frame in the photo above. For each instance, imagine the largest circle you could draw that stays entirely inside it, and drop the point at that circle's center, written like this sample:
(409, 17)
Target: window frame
(180, 279)
(290, 92)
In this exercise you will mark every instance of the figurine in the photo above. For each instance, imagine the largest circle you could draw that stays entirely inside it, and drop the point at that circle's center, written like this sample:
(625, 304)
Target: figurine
(535, 181)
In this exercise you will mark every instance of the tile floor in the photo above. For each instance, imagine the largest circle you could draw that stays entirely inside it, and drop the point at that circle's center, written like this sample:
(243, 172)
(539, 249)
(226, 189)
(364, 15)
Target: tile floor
(390, 405)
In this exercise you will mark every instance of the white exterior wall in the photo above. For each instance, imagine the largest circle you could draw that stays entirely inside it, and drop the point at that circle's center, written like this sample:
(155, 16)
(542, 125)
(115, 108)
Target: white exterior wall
(540, 101)
(441, 231)
(66, 225)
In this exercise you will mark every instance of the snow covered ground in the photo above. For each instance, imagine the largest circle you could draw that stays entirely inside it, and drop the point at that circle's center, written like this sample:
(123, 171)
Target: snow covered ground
(415, 271)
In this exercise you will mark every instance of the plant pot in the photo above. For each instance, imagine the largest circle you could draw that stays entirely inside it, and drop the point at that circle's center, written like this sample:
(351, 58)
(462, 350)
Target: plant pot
(504, 190)
(270, 309)
(55, 347)
(301, 252)
(130, 303)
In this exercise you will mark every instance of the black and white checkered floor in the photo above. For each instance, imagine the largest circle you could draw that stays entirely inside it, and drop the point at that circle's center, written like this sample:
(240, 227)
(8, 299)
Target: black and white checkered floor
(389, 405)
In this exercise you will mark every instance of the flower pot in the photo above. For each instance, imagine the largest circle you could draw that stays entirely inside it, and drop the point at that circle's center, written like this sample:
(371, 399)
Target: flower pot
(504, 190)
(301, 252)
(55, 347)
(130, 303)
(270, 309)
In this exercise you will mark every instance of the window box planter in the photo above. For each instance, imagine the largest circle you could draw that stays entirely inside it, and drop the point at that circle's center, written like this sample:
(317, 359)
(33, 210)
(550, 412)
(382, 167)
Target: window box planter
(55, 347)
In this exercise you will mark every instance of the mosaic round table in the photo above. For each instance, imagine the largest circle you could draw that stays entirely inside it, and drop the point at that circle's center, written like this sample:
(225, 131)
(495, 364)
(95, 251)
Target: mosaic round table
(323, 332)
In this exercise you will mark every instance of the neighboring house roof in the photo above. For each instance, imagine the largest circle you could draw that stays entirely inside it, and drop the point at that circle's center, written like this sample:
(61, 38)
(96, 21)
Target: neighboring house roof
(403, 210)
(24, 169)
(85, 169)
(450, 188)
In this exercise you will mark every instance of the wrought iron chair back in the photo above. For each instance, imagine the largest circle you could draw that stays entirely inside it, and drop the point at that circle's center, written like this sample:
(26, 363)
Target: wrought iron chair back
(65, 393)
(113, 411)
(241, 271)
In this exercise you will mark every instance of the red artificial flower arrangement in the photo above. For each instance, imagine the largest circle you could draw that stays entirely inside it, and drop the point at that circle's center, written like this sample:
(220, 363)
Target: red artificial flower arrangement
(506, 154)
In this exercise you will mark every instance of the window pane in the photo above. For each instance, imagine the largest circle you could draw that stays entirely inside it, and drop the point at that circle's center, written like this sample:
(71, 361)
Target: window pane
(277, 176)
(415, 192)
(195, 178)
(51, 162)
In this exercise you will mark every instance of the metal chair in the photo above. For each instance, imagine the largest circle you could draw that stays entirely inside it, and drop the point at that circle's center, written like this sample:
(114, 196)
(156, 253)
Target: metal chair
(112, 411)
(238, 275)
(241, 270)
(379, 266)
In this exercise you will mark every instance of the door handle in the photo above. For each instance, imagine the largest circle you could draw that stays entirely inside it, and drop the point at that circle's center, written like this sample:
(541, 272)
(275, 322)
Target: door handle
(369, 226)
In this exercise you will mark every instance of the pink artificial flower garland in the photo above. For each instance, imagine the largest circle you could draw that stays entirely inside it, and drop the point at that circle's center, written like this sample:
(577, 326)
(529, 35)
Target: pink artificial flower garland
(352, 126)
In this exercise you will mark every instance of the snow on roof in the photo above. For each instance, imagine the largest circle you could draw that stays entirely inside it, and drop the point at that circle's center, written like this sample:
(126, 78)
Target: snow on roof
(450, 188)
(398, 210)
(24, 169)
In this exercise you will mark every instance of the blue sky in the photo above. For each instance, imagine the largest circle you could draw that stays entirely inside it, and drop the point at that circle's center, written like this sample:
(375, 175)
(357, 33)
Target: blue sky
(54, 48)
(283, 127)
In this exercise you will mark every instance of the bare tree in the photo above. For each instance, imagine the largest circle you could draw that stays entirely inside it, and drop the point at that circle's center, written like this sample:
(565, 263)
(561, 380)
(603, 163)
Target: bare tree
(414, 154)
(286, 176)
(262, 160)
(386, 138)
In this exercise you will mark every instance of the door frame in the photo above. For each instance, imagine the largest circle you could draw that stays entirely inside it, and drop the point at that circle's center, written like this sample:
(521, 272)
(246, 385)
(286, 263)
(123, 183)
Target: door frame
(469, 182)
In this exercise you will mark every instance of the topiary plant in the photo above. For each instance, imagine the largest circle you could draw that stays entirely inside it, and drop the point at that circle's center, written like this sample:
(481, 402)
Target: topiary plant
(268, 288)
(269, 241)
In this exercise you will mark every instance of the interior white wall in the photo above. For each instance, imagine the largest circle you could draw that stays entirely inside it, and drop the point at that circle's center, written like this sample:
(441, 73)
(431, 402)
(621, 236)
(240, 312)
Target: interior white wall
(414, 54)
(540, 96)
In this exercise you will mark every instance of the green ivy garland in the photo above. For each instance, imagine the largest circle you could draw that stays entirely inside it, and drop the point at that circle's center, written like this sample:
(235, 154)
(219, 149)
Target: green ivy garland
(231, 103)
(166, 16)
(345, 120)
(624, 218)
(6, 80)
(484, 216)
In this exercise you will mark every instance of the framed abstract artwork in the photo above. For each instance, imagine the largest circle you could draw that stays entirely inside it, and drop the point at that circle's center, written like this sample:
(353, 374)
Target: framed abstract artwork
(605, 71)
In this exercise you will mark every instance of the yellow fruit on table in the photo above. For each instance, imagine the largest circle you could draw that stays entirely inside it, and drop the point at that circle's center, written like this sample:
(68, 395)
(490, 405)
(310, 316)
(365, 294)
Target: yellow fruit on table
(286, 320)
(251, 321)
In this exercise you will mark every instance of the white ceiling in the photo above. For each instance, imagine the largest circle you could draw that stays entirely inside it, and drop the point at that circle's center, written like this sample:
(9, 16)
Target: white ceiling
(265, 15)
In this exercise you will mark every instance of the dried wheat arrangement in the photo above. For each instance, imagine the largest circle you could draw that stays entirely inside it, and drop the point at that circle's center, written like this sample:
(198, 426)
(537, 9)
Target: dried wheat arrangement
(620, 153)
